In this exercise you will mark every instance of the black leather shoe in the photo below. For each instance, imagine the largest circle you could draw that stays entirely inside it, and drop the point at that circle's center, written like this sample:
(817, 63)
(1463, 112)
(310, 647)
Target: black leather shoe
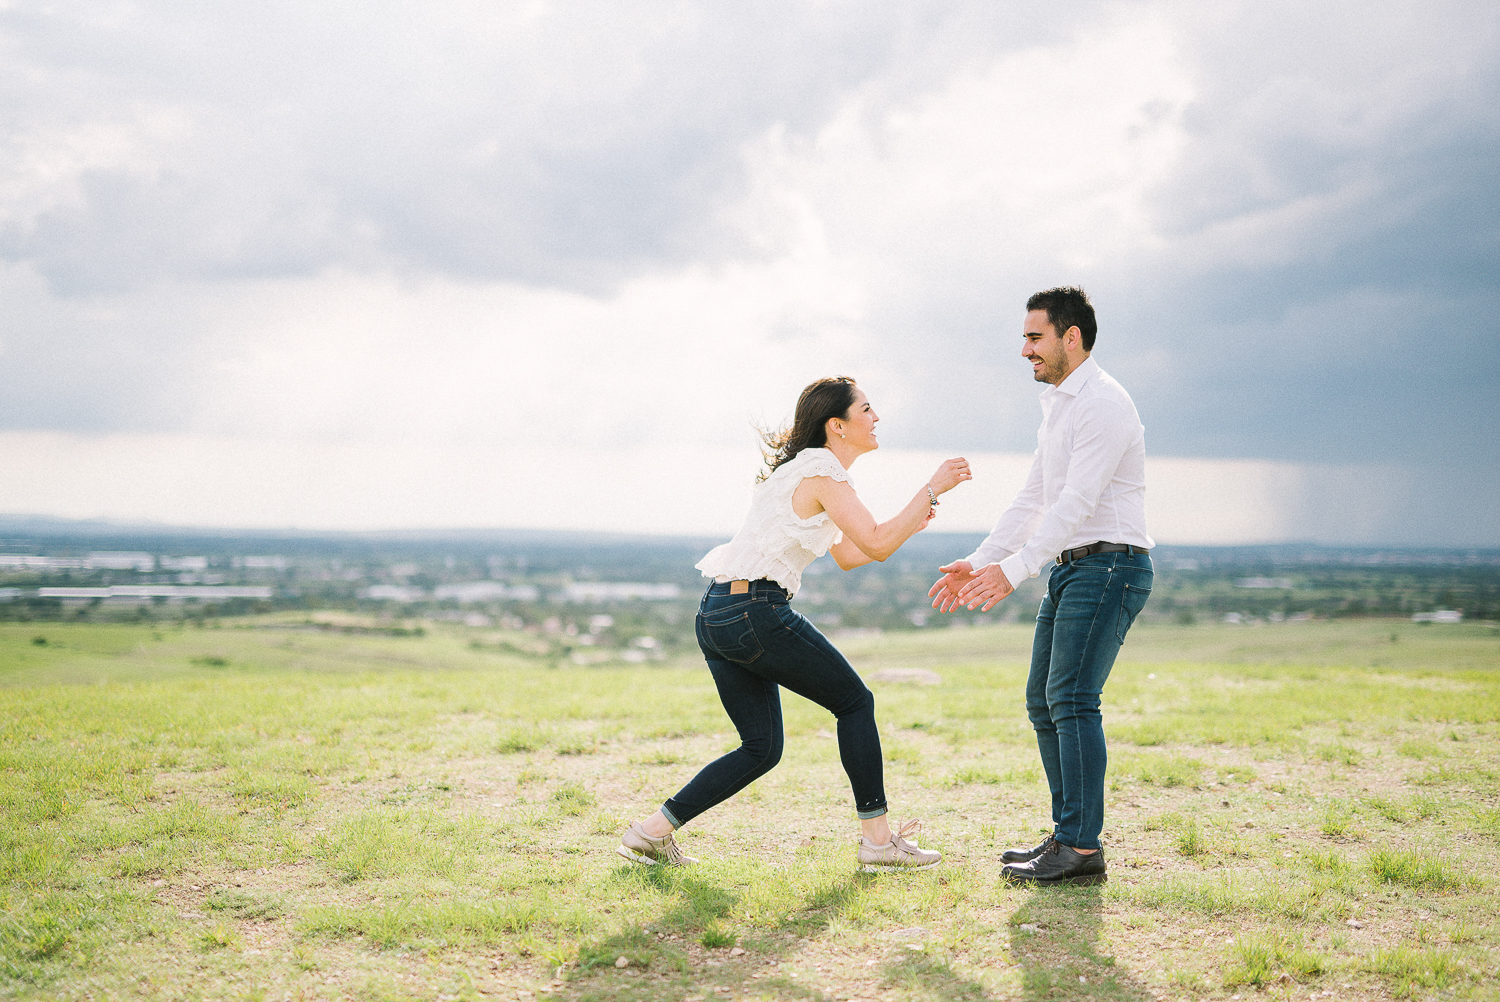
(1027, 855)
(1059, 864)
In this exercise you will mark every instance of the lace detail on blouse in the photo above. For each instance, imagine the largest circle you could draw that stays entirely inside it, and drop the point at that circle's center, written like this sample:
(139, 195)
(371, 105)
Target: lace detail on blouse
(774, 543)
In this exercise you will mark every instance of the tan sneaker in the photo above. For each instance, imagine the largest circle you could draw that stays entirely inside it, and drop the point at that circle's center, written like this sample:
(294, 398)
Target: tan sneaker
(638, 847)
(900, 853)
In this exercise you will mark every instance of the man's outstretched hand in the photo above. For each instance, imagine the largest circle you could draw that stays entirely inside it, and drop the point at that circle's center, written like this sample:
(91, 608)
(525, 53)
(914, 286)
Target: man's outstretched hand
(986, 588)
(961, 585)
(944, 593)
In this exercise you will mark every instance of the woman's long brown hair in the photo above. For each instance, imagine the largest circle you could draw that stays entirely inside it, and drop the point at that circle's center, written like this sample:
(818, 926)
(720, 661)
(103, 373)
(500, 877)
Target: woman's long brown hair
(824, 399)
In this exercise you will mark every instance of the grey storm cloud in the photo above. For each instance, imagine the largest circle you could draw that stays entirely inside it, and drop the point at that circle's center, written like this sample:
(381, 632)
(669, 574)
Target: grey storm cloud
(1374, 332)
(161, 147)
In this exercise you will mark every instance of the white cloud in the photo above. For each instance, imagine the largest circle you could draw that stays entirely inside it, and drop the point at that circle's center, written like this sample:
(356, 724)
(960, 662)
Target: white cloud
(199, 480)
(674, 359)
(1043, 153)
(45, 168)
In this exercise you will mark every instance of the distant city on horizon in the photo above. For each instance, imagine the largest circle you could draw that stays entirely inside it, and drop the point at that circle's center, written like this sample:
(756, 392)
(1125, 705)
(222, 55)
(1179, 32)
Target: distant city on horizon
(580, 598)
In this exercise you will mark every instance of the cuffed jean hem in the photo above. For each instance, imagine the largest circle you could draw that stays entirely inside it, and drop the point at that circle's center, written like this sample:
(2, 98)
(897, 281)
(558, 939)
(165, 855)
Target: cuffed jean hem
(873, 812)
(666, 812)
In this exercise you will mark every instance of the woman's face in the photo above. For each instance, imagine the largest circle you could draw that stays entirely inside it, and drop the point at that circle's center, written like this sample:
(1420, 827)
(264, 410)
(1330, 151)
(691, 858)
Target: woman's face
(858, 425)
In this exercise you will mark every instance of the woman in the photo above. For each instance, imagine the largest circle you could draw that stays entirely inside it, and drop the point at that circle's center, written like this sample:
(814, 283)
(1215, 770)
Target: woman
(754, 641)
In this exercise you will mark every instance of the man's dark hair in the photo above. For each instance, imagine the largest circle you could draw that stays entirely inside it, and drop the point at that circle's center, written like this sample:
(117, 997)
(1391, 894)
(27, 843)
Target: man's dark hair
(1067, 306)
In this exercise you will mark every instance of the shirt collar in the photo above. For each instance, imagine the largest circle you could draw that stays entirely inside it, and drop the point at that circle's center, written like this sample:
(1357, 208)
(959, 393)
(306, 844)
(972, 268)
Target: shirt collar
(1077, 379)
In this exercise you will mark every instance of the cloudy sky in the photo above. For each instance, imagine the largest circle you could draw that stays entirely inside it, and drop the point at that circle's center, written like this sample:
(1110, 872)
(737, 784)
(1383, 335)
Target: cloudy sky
(338, 265)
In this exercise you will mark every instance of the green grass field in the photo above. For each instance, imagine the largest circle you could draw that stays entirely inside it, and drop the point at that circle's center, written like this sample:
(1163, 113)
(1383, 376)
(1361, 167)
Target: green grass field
(267, 811)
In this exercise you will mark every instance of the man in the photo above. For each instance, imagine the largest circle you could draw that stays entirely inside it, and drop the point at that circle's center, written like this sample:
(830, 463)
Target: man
(1083, 514)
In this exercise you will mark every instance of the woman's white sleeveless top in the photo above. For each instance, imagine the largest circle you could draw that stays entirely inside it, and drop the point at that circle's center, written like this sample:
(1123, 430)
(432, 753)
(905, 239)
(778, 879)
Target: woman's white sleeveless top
(774, 543)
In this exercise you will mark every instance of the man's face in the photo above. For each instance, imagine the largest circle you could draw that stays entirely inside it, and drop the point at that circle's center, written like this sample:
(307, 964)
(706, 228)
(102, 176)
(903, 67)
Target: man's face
(1044, 349)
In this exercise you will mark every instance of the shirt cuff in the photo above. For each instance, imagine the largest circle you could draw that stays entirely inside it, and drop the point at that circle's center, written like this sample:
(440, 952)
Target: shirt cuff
(1014, 569)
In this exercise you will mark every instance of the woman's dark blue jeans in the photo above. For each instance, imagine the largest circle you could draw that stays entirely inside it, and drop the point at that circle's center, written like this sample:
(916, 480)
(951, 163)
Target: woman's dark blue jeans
(754, 643)
(1089, 606)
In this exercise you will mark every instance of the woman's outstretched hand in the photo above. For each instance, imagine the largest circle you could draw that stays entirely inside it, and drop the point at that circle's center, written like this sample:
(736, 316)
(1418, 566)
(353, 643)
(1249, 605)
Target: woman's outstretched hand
(950, 475)
(944, 593)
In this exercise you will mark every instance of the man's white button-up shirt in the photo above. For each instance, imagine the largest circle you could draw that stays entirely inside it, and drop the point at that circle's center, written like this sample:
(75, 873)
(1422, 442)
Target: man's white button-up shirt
(1087, 483)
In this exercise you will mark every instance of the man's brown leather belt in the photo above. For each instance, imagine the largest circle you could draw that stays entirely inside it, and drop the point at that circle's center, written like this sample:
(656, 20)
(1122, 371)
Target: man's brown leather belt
(1079, 552)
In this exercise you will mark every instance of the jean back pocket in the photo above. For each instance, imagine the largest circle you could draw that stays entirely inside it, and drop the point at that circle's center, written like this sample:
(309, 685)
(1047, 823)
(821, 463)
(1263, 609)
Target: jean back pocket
(731, 638)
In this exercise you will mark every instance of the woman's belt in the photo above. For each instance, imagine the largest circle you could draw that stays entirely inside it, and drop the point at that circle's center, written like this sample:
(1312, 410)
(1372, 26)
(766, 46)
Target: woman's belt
(740, 586)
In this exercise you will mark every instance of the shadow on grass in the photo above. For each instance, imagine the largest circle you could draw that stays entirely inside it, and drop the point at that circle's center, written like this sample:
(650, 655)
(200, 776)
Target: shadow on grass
(913, 976)
(658, 962)
(918, 976)
(659, 966)
(1056, 938)
(824, 905)
(696, 912)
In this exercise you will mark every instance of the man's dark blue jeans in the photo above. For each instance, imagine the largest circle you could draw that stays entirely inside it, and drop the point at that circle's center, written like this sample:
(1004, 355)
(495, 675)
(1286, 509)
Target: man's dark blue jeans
(755, 642)
(1089, 606)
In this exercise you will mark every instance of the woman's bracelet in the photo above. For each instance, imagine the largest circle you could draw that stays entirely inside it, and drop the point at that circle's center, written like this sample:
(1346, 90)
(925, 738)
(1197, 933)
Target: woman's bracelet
(931, 497)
